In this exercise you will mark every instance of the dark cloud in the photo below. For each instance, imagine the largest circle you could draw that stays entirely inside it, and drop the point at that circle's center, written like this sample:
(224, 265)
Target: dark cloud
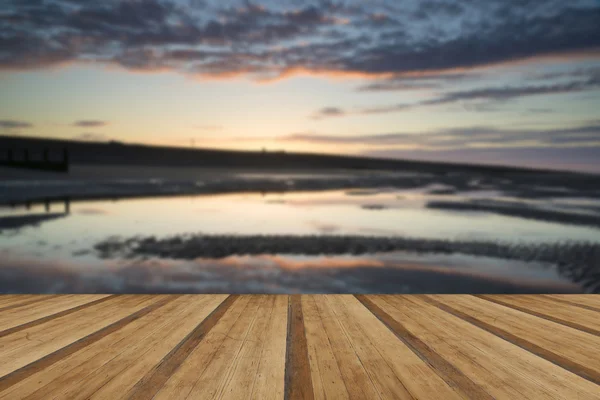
(397, 86)
(511, 92)
(433, 8)
(11, 124)
(329, 112)
(467, 137)
(577, 158)
(276, 38)
(477, 99)
(507, 40)
(577, 73)
(434, 81)
(90, 123)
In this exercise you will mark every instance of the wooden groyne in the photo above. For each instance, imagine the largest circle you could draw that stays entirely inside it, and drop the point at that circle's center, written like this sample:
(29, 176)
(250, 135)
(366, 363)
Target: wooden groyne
(27, 158)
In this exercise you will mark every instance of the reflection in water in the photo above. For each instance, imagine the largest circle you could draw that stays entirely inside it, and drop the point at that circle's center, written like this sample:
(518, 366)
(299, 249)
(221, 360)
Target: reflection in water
(265, 274)
(578, 261)
(20, 221)
(302, 223)
(522, 211)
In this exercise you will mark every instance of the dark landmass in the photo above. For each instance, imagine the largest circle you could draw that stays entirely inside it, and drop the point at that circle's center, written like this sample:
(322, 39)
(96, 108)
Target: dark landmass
(579, 262)
(117, 153)
(115, 170)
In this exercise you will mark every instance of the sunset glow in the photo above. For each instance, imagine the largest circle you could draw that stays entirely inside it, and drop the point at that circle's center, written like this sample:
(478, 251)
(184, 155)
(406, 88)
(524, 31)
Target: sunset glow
(495, 81)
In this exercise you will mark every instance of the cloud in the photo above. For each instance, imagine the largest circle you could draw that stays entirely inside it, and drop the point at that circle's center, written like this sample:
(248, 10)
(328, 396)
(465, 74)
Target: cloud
(508, 40)
(480, 99)
(329, 112)
(277, 39)
(540, 110)
(468, 137)
(12, 124)
(90, 124)
(419, 82)
(577, 158)
(510, 92)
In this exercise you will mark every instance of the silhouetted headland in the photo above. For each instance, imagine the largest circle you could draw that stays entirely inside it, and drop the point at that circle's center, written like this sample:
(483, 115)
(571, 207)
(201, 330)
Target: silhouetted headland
(117, 153)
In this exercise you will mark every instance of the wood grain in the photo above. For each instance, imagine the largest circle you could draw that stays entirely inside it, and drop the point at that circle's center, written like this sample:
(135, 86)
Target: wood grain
(18, 372)
(155, 378)
(448, 372)
(298, 379)
(568, 299)
(299, 347)
(570, 349)
(29, 315)
(583, 320)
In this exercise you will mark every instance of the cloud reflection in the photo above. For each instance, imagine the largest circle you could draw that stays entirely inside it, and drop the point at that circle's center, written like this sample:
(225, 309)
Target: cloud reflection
(263, 274)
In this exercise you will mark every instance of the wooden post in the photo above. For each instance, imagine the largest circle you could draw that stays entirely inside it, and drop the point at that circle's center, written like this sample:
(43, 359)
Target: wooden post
(67, 205)
(47, 204)
(66, 158)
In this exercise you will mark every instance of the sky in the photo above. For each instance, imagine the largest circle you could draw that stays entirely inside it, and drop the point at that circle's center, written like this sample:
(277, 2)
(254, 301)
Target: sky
(512, 82)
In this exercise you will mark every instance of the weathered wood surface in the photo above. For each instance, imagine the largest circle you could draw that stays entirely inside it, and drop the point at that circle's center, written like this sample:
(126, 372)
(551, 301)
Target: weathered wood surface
(299, 347)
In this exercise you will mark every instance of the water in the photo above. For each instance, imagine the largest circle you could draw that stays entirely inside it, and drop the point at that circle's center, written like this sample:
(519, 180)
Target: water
(59, 255)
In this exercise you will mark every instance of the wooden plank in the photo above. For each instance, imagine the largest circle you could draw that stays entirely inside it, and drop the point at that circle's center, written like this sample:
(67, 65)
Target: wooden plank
(113, 373)
(77, 363)
(571, 349)
(357, 381)
(23, 373)
(11, 298)
(200, 311)
(393, 368)
(24, 347)
(577, 318)
(37, 313)
(50, 302)
(298, 384)
(183, 380)
(155, 378)
(270, 378)
(12, 302)
(448, 372)
(244, 369)
(215, 376)
(501, 368)
(326, 375)
(582, 303)
(386, 382)
(592, 300)
(89, 362)
(355, 347)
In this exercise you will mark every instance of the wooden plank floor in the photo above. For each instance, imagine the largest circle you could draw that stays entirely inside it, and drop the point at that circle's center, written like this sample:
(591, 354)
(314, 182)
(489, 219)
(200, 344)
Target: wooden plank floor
(299, 347)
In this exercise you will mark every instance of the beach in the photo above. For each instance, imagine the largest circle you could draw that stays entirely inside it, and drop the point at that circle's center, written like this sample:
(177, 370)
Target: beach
(144, 229)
